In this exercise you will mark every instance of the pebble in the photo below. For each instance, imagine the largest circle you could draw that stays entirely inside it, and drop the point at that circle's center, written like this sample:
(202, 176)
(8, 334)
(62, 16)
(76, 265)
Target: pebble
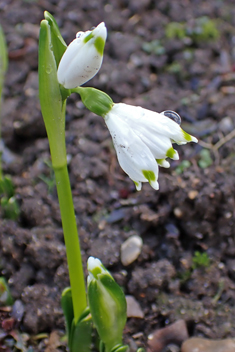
(198, 344)
(17, 310)
(174, 333)
(226, 124)
(133, 308)
(131, 249)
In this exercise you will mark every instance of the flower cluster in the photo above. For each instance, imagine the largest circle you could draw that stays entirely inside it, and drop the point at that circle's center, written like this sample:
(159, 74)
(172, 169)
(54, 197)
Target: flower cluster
(142, 138)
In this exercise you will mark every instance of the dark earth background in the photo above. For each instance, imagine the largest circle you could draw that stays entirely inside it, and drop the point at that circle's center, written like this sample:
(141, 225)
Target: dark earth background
(147, 63)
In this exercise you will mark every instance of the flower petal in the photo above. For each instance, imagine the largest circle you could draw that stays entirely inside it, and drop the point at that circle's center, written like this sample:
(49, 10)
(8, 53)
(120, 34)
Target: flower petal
(148, 122)
(133, 155)
(163, 163)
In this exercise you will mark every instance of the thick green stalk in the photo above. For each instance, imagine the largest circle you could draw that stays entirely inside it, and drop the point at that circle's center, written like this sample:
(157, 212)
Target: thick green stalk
(3, 69)
(1, 146)
(71, 241)
(53, 110)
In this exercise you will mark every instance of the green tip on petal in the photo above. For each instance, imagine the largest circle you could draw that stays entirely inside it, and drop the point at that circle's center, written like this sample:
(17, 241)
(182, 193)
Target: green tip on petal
(170, 153)
(149, 175)
(187, 136)
(88, 37)
(99, 45)
(137, 185)
(163, 163)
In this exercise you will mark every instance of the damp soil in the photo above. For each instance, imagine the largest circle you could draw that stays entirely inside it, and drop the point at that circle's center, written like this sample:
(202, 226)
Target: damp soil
(193, 211)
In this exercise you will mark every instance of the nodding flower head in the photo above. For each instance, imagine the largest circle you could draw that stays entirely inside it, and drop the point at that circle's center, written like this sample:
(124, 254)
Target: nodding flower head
(143, 140)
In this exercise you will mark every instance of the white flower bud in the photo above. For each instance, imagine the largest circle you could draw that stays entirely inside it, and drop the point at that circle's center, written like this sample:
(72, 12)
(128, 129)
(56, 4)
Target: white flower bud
(107, 304)
(82, 58)
(143, 139)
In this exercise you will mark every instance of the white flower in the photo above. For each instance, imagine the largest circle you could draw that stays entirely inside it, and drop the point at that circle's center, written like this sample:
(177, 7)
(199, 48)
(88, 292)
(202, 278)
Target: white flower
(143, 140)
(94, 267)
(82, 58)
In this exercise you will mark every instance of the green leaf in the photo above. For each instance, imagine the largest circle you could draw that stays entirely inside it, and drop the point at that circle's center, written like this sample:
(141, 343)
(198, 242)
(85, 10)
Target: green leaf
(58, 44)
(108, 309)
(5, 295)
(10, 208)
(205, 159)
(52, 104)
(121, 348)
(81, 333)
(6, 186)
(3, 55)
(67, 306)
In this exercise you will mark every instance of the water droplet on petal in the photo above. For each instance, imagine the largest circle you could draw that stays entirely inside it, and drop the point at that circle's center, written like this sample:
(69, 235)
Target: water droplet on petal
(79, 34)
(172, 115)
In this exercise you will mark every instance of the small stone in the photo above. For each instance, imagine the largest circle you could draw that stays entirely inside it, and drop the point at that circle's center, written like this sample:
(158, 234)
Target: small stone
(131, 249)
(133, 308)
(53, 342)
(197, 344)
(192, 194)
(226, 124)
(17, 310)
(174, 333)
(178, 212)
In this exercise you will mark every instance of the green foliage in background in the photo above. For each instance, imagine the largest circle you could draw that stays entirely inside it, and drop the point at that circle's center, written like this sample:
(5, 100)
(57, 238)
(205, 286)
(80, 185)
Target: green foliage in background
(200, 260)
(9, 204)
(201, 29)
(205, 159)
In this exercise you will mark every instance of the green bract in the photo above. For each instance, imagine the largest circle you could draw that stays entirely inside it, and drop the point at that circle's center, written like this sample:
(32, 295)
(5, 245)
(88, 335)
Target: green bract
(95, 100)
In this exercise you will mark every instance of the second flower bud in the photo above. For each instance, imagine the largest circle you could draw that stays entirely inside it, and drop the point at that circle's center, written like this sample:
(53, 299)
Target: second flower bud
(82, 58)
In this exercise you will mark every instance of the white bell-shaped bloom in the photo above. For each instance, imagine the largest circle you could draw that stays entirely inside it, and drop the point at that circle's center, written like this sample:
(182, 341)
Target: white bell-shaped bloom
(82, 58)
(143, 140)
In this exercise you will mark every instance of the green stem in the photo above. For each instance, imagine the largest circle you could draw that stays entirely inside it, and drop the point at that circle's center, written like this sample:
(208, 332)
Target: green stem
(1, 146)
(76, 275)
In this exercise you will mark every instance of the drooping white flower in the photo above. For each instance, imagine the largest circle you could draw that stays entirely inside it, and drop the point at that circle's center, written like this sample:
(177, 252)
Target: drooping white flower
(82, 58)
(143, 140)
